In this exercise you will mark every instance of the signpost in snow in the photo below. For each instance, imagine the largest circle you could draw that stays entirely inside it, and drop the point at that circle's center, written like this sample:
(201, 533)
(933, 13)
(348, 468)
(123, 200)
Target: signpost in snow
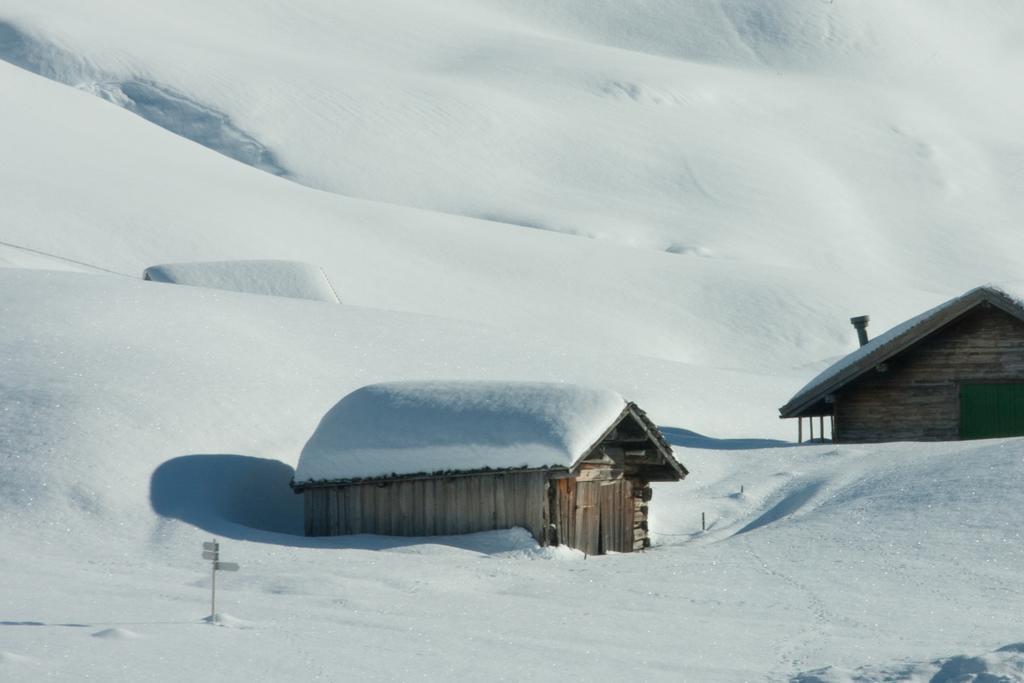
(211, 551)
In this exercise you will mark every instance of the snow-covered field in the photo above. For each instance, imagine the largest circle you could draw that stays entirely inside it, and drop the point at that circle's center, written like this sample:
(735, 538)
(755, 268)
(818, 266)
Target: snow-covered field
(682, 202)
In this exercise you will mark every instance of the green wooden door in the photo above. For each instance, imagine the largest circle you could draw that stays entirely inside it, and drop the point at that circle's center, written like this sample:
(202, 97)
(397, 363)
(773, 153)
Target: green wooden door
(991, 410)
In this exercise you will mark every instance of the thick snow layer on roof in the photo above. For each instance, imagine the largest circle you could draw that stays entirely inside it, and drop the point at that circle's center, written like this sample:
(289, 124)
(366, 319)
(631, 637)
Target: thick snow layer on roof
(424, 427)
(275, 278)
(1013, 290)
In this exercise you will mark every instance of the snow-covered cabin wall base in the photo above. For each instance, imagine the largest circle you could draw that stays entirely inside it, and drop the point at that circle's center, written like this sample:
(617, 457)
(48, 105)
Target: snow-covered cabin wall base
(953, 372)
(571, 465)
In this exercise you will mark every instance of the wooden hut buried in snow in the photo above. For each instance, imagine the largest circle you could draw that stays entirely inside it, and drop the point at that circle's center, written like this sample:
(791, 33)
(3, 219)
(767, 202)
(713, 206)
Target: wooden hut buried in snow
(291, 279)
(571, 465)
(953, 372)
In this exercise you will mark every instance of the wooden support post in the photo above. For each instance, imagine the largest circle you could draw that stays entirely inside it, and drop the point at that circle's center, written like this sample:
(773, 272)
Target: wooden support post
(821, 427)
(703, 523)
(799, 430)
(213, 592)
(810, 428)
(832, 427)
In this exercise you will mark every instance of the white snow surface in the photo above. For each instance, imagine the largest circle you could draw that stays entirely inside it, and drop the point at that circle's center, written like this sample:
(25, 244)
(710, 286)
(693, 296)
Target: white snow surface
(683, 202)
(429, 427)
(273, 278)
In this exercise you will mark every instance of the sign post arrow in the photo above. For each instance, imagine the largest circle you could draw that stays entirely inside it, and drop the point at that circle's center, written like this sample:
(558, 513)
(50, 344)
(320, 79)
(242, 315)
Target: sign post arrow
(211, 551)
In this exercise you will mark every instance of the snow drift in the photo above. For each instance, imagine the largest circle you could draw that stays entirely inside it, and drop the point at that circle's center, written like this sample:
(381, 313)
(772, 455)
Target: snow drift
(274, 278)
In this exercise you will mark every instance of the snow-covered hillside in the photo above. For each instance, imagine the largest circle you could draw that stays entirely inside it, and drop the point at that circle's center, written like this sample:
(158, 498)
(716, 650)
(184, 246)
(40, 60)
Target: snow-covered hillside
(757, 148)
(681, 202)
(843, 133)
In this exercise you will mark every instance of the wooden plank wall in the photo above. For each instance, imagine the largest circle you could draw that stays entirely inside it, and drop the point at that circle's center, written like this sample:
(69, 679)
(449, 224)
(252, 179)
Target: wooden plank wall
(430, 507)
(593, 516)
(564, 511)
(588, 517)
(917, 398)
(617, 516)
(600, 516)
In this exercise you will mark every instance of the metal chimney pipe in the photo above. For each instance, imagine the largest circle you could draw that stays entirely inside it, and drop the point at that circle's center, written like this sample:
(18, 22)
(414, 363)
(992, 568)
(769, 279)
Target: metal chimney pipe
(860, 323)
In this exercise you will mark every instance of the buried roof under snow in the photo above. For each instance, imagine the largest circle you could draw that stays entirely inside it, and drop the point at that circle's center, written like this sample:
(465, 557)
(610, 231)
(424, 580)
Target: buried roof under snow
(291, 279)
(408, 428)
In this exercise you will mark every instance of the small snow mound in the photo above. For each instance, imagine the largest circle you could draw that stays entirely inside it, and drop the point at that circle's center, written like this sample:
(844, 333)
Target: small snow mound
(227, 621)
(290, 279)
(515, 544)
(560, 553)
(688, 250)
(11, 658)
(427, 427)
(116, 634)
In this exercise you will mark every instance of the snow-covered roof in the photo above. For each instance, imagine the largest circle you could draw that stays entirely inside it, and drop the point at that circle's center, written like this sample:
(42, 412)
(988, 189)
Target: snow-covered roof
(407, 428)
(274, 278)
(1009, 298)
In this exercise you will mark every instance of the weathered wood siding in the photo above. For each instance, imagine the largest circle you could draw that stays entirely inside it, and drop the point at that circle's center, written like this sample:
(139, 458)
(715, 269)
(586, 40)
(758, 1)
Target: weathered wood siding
(600, 516)
(434, 506)
(616, 502)
(595, 516)
(917, 397)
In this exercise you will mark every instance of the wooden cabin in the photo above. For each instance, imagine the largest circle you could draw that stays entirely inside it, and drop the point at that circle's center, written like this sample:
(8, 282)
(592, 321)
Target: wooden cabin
(571, 465)
(953, 372)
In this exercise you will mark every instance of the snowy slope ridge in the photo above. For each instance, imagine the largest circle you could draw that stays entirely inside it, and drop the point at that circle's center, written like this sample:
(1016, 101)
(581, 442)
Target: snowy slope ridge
(734, 130)
(188, 204)
(173, 111)
(428, 427)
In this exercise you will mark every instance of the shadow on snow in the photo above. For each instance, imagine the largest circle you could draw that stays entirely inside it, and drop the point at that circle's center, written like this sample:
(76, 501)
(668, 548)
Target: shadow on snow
(792, 503)
(689, 439)
(248, 499)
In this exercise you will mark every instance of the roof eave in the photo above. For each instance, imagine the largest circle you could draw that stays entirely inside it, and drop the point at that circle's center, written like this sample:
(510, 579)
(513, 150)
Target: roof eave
(650, 429)
(658, 440)
(298, 487)
(911, 337)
